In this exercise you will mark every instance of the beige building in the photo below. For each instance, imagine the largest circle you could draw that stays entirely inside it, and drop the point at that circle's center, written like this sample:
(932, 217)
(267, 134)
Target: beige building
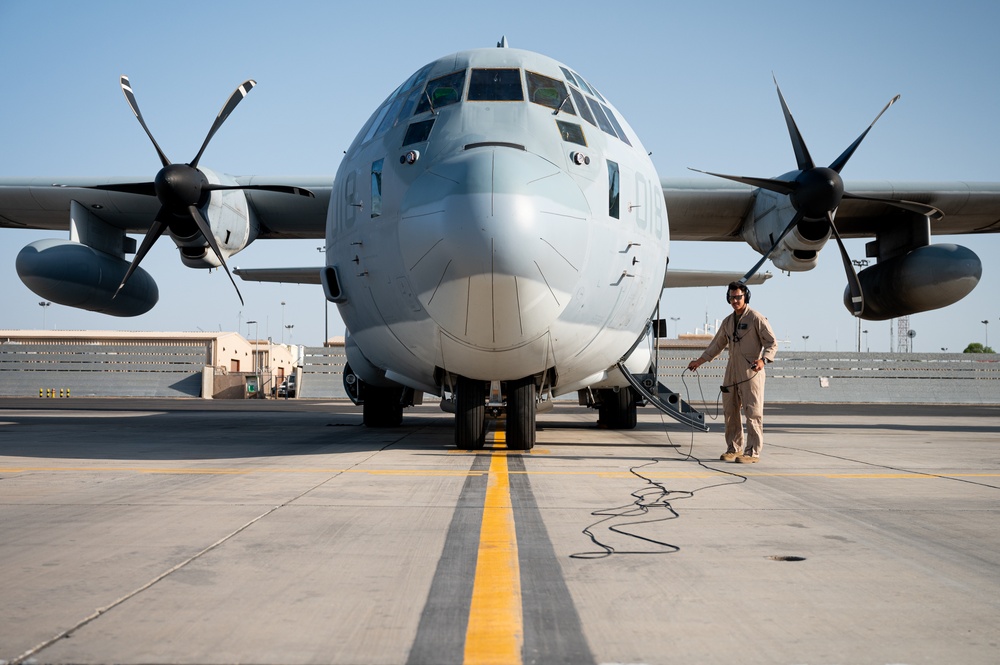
(127, 363)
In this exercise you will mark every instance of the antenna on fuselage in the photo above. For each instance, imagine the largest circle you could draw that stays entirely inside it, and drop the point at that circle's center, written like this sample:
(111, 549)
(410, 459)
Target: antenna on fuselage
(503, 42)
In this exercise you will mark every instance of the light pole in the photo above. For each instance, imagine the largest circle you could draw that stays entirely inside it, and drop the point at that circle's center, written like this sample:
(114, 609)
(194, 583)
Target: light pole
(282, 321)
(986, 332)
(867, 350)
(675, 319)
(45, 304)
(289, 329)
(805, 342)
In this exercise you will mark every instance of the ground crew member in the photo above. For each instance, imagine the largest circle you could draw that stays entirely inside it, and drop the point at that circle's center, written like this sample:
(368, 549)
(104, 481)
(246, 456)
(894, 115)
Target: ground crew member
(751, 344)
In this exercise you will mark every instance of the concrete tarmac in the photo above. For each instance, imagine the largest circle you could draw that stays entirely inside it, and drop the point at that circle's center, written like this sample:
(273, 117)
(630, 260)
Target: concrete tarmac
(284, 532)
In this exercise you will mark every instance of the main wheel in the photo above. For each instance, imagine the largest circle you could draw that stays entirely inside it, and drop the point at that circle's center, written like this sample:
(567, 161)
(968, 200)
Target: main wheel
(617, 409)
(470, 414)
(383, 407)
(521, 414)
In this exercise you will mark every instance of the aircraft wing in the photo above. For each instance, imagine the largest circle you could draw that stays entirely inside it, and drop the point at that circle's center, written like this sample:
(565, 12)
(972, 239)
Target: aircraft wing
(699, 209)
(34, 203)
(703, 209)
(282, 275)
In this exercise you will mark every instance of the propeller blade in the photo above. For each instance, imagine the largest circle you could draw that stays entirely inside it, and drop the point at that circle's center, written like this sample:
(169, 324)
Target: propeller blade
(841, 161)
(857, 296)
(130, 98)
(795, 220)
(155, 231)
(912, 206)
(770, 184)
(281, 189)
(206, 231)
(142, 188)
(230, 105)
(802, 157)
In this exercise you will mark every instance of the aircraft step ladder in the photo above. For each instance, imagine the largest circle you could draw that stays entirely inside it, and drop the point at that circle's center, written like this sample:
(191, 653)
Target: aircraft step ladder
(665, 399)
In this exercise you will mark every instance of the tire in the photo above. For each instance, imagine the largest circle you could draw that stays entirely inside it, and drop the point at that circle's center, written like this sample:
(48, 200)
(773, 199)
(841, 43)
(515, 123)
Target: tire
(382, 407)
(521, 414)
(470, 414)
(618, 409)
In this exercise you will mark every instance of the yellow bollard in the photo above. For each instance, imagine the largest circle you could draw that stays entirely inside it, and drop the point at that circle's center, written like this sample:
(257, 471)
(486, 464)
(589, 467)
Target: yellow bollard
(41, 393)
(67, 392)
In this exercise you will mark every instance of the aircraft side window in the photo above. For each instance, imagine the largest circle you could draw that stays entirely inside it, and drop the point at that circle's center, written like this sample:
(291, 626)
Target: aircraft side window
(442, 91)
(581, 103)
(614, 189)
(379, 117)
(418, 132)
(410, 104)
(614, 121)
(501, 85)
(569, 76)
(602, 120)
(377, 188)
(548, 92)
(571, 132)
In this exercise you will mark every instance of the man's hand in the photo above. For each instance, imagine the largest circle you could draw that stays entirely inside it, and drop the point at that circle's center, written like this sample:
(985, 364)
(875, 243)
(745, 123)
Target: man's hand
(757, 365)
(694, 365)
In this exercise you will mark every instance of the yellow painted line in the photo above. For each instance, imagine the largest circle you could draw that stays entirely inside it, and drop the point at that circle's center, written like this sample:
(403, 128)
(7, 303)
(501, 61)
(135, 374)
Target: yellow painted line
(495, 632)
(222, 471)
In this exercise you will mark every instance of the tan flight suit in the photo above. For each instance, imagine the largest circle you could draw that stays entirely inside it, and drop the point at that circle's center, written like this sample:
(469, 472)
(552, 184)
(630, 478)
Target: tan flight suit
(753, 339)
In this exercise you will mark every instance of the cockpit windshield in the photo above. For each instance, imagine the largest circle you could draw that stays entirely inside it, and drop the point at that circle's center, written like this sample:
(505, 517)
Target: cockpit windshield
(442, 91)
(502, 85)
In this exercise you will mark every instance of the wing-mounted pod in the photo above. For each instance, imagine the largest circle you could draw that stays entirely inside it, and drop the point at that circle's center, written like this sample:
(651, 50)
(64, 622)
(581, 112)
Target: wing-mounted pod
(911, 275)
(85, 271)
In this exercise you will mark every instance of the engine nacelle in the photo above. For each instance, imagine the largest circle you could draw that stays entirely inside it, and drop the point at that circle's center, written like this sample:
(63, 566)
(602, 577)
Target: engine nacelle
(923, 279)
(799, 250)
(75, 275)
(233, 224)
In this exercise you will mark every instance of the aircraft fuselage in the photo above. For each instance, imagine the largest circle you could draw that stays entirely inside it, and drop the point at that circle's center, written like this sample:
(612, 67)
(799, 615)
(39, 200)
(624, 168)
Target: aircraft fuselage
(496, 219)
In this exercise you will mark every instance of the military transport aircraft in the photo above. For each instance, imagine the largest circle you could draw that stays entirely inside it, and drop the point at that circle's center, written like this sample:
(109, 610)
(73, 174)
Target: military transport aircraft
(496, 235)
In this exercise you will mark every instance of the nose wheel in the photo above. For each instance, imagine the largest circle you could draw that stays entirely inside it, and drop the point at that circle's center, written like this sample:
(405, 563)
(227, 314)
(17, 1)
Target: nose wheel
(470, 414)
(521, 414)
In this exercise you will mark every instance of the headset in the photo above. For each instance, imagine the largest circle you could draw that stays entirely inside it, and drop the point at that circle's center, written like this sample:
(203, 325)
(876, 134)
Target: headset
(736, 286)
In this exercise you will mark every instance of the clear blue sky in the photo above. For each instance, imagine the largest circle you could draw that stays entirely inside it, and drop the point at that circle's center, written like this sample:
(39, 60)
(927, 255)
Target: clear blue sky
(693, 80)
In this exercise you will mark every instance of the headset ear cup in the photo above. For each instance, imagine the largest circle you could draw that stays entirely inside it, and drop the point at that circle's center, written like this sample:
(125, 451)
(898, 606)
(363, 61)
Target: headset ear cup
(746, 292)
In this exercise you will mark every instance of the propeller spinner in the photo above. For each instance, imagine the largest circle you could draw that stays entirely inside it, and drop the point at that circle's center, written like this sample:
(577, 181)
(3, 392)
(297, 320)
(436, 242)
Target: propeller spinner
(816, 192)
(182, 189)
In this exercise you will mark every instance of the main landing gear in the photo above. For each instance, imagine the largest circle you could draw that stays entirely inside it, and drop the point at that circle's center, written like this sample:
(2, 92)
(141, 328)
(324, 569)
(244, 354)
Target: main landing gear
(470, 413)
(616, 409)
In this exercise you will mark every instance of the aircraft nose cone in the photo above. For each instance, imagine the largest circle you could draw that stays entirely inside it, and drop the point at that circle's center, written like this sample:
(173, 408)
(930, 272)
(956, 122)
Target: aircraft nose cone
(494, 241)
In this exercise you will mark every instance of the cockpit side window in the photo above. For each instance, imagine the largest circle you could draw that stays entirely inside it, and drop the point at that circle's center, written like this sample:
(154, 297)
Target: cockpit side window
(442, 91)
(571, 132)
(501, 85)
(581, 103)
(548, 92)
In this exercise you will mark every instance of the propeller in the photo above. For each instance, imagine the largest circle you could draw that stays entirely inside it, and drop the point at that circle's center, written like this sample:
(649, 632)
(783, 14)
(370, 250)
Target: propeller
(816, 192)
(182, 189)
